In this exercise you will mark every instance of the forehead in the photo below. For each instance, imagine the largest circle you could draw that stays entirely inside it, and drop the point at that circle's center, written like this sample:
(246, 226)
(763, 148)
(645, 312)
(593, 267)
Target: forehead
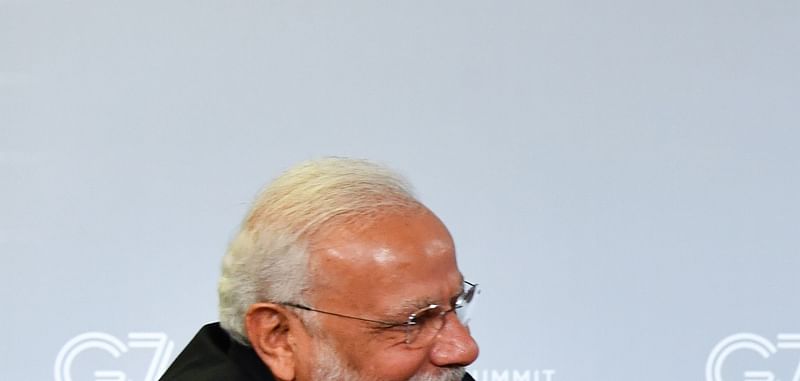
(394, 259)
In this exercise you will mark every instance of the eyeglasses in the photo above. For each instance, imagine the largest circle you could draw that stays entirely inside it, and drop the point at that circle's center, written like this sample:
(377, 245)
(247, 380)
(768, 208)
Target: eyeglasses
(422, 326)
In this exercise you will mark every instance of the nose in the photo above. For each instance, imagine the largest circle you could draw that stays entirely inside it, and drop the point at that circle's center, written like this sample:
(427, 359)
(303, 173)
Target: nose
(454, 346)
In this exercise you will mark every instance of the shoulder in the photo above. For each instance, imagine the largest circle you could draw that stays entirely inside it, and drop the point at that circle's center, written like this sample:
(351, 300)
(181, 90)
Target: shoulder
(213, 356)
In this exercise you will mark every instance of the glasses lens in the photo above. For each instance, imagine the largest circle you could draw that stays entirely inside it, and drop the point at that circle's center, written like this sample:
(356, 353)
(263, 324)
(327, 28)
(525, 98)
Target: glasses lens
(426, 323)
(464, 304)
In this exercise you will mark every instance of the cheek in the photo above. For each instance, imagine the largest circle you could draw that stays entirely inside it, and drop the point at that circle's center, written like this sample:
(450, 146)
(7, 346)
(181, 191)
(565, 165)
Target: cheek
(392, 364)
(382, 357)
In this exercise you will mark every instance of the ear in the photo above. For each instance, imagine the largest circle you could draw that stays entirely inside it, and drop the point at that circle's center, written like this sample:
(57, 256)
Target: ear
(270, 333)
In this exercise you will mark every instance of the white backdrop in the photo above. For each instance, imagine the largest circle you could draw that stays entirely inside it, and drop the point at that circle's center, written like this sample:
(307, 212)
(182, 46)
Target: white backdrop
(621, 177)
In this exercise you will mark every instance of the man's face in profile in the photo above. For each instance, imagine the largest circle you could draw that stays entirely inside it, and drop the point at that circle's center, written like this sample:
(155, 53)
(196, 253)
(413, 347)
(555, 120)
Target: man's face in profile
(399, 264)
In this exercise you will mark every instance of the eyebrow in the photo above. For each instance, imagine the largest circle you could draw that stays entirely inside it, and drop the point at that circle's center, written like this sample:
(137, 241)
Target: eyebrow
(410, 305)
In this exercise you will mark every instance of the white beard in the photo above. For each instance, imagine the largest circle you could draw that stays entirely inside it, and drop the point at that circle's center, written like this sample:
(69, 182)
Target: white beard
(329, 367)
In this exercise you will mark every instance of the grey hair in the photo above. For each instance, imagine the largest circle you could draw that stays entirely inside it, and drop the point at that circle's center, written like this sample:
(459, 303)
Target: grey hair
(268, 259)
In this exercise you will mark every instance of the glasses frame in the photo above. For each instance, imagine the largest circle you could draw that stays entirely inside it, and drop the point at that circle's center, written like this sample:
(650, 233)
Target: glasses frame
(465, 297)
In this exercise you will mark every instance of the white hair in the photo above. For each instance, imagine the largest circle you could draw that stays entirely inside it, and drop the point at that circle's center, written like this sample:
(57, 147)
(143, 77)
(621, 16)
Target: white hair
(268, 259)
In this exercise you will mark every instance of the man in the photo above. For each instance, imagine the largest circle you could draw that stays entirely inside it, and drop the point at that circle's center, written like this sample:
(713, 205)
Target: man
(337, 273)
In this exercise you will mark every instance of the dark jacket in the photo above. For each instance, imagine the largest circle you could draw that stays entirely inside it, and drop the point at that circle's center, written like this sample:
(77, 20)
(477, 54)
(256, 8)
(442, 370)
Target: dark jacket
(213, 356)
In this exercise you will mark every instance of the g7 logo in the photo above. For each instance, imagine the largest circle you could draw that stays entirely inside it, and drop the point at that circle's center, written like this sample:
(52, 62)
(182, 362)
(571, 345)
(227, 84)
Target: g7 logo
(162, 350)
(755, 343)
